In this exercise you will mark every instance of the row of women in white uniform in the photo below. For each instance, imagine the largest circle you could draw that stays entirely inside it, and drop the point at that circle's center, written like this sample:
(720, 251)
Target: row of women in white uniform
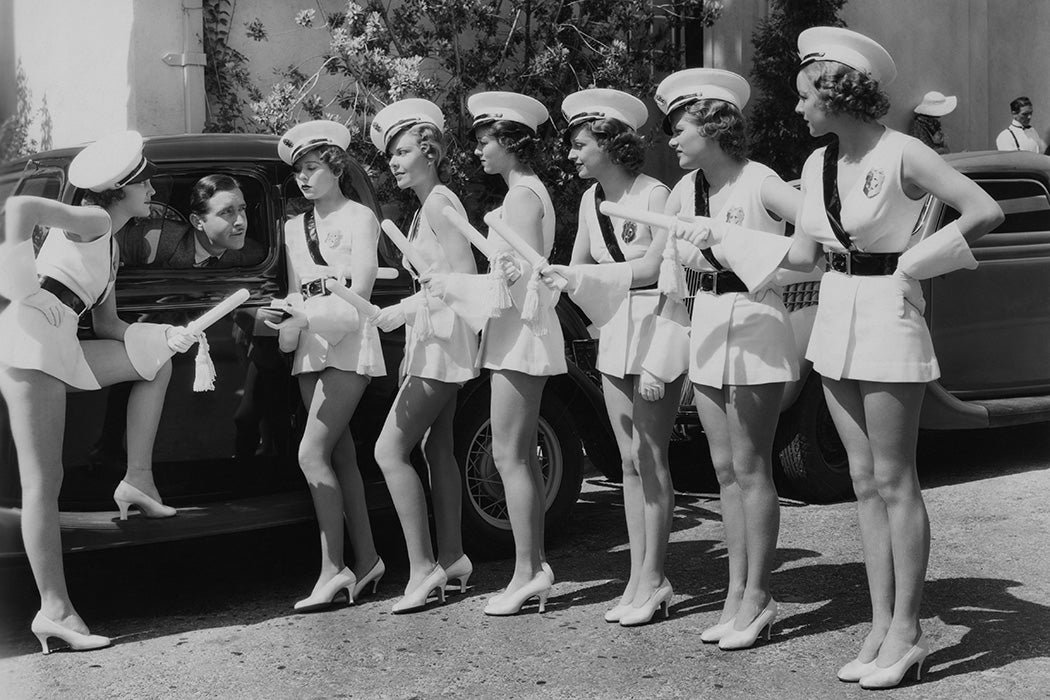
(859, 201)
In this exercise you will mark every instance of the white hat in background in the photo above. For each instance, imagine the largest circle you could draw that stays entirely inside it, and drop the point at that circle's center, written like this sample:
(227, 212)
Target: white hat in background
(603, 103)
(110, 163)
(694, 84)
(489, 107)
(303, 137)
(850, 48)
(398, 116)
(936, 104)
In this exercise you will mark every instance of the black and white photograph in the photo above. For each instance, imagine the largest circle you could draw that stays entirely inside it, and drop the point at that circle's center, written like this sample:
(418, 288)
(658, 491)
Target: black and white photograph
(543, 349)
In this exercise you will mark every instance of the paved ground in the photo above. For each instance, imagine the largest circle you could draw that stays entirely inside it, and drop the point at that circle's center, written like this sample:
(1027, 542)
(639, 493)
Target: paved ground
(212, 618)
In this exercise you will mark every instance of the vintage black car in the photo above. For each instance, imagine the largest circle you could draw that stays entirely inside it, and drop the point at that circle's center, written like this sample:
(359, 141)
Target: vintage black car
(227, 459)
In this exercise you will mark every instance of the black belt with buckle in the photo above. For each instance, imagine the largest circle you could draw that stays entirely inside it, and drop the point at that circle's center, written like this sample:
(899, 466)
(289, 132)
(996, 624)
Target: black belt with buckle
(866, 264)
(65, 295)
(317, 288)
(721, 282)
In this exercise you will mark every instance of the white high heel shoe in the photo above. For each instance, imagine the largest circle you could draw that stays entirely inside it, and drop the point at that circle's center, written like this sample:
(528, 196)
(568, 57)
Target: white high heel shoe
(417, 598)
(45, 627)
(855, 670)
(745, 638)
(891, 677)
(461, 569)
(373, 576)
(510, 603)
(659, 600)
(714, 633)
(615, 613)
(343, 581)
(127, 495)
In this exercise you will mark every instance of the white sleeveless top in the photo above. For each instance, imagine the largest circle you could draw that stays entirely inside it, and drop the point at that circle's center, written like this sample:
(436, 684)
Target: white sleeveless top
(335, 248)
(876, 213)
(634, 239)
(88, 269)
(536, 186)
(422, 237)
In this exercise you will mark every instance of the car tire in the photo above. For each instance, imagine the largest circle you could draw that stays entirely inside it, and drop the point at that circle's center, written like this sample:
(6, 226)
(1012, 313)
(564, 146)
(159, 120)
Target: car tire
(486, 525)
(813, 459)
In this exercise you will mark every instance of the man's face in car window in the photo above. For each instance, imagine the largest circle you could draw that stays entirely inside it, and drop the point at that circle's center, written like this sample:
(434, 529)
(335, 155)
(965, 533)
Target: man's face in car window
(226, 221)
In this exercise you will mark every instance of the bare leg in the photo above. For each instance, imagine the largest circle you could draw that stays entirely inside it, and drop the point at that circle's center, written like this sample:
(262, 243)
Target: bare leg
(619, 394)
(753, 412)
(515, 412)
(847, 412)
(652, 432)
(330, 397)
(445, 483)
(418, 404)
(109, 362)
(355, 507)
(36, 403)
(710, 405)
(891, 411)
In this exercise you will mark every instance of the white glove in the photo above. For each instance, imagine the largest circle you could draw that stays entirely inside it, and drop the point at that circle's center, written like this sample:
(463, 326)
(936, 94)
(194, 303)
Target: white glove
(650, 388)
(179, 340)
(570, 273)
(939, 253)
(390, 318)
(694, 231)
(910, 293)
(296, 316)
(508, 266)
(435, 282)
(46, 303)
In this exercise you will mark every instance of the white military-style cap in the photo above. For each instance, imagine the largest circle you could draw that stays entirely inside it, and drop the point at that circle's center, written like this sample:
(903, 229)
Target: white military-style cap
(694, 84)
(400, 115)
(936, 104)
(850, 48)
(489, 107)
(110, 163)
(603, 103)
(303, 137)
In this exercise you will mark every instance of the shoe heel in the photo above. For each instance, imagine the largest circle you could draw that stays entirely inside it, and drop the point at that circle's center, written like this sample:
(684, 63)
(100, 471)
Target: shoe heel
(375, 584)
(463, 583)
(543, 601)
(665, 609)
(441, 594)
(43, 643)
(918, 670)
(123, 506)
(769, 631)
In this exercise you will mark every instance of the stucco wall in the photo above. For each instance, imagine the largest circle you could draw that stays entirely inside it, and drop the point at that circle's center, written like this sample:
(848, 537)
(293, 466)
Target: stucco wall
(99, 65)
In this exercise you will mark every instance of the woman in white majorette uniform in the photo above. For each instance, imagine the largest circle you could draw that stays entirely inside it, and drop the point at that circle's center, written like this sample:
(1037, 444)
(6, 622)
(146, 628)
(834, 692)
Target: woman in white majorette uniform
(641, 392)
(521, 352)
(742, 350)
(41, 359)
(440, 356)
(336, 352)
(862, 196)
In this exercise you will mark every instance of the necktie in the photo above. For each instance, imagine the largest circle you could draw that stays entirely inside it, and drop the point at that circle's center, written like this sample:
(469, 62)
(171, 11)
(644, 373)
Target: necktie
(210, 261)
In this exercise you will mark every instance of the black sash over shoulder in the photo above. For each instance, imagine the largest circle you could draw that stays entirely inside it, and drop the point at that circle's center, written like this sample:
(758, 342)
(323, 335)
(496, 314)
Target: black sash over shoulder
(312, 244)
(606, 226)
(702, 207)
(832, 204)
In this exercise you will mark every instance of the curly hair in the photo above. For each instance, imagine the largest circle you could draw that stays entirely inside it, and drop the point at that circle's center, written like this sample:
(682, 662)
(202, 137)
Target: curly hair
(339, 162)
(103, 199)
(1016, 105)
(847, 91)
(206, 188)
(623, 144)
(519, 140)
(722, 121)
(432, 143)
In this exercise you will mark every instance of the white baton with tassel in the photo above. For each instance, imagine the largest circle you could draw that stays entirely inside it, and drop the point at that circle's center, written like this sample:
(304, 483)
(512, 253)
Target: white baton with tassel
(424, 327)
(364, 307)
(204, 368)
(531, 255)
(470, 233)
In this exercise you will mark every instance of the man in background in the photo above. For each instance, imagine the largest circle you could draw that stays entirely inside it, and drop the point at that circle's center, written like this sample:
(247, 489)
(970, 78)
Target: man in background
(1020, 136)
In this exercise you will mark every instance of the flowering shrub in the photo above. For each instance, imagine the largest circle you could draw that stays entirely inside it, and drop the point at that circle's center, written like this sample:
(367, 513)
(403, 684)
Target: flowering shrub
(443, 50)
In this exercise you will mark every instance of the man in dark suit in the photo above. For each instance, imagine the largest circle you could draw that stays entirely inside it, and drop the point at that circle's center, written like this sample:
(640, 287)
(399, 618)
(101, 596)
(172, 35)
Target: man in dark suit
(216, 236)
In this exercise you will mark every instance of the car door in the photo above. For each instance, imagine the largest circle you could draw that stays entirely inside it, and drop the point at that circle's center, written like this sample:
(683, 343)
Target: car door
(991, 326)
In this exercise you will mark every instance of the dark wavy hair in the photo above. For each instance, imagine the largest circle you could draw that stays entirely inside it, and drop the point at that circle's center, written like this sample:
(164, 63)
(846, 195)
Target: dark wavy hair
(1016, 105)
(847, 91)
(722, 121)
(205, 188)
(103, 199)
(339, 162)
(623, 144)
(432, 143)
(518, 139)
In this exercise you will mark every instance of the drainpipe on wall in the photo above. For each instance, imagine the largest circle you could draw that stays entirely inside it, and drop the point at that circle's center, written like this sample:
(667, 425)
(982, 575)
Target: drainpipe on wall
(192, 61)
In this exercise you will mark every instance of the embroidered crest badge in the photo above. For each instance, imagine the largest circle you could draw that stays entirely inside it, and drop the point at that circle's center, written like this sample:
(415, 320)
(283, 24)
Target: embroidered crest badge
(630, 230)
(873, 182)
(333, 238)
(735, 216)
